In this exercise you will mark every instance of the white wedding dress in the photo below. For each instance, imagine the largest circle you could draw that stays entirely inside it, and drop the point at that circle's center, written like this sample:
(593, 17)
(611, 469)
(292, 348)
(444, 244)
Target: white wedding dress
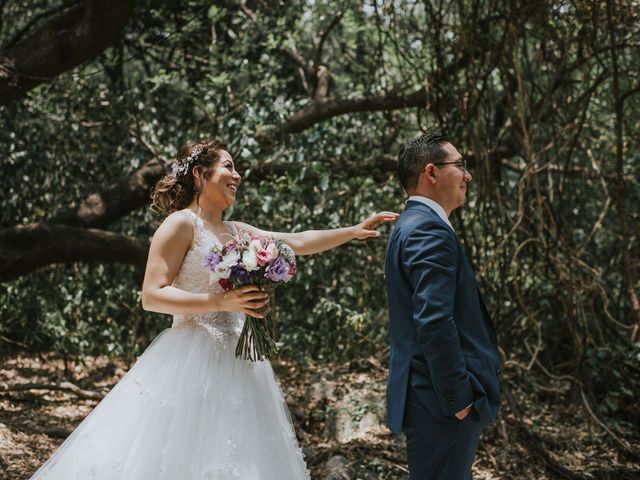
(188, 409)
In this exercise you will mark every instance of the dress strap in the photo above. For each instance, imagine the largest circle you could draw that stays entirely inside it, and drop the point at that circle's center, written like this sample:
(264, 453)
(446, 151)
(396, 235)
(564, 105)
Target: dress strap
(200, 232)
(198, 224)
(234, 229)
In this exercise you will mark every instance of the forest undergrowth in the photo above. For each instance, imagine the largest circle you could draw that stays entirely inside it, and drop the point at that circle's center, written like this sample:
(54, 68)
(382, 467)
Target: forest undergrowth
(538, 436)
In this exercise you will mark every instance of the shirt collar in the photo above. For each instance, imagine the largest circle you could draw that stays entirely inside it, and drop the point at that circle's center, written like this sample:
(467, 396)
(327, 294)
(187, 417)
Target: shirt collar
(434, 205)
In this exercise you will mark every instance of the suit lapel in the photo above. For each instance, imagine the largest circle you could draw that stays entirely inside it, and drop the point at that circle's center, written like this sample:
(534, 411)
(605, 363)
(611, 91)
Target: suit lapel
(483, 306)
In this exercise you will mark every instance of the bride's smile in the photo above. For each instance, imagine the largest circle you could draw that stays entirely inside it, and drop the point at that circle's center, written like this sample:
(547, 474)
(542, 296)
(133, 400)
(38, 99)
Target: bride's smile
(220, 183)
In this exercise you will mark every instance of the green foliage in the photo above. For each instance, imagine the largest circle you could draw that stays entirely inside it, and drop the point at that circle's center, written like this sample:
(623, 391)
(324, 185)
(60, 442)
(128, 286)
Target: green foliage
(526, 92)
(616, 388)
(77, 311)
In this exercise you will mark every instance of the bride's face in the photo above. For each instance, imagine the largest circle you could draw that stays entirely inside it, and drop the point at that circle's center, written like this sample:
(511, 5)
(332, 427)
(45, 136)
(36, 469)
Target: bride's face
(222, 183)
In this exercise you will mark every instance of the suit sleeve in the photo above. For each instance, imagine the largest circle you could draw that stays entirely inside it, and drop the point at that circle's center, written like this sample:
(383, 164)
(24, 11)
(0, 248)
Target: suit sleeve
(430, 258)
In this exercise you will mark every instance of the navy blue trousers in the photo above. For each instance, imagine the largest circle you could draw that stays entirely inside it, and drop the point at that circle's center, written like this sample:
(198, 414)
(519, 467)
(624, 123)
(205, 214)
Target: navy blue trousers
(439, 449)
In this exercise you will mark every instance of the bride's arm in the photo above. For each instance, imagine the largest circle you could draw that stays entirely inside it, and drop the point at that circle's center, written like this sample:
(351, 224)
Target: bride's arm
(316, 241)
(166, 254)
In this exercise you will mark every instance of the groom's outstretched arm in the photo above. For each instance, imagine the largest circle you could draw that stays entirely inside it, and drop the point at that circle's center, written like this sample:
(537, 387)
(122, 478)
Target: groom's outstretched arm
(430, 259)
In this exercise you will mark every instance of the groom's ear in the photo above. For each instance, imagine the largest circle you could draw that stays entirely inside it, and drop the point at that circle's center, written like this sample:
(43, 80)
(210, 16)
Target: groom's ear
(430, 172)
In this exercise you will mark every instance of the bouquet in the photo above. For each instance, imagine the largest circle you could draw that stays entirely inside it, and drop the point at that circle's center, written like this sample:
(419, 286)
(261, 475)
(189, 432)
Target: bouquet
(251, 260)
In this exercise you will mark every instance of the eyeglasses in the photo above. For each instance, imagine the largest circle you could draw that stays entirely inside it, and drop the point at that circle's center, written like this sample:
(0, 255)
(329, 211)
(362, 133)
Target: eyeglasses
(461, 164)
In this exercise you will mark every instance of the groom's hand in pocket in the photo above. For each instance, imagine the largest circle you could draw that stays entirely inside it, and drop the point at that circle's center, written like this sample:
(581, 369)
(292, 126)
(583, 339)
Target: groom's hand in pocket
(462, 414)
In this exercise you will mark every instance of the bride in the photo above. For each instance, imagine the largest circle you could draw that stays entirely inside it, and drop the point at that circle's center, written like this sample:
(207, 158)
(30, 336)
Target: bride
(188, 408)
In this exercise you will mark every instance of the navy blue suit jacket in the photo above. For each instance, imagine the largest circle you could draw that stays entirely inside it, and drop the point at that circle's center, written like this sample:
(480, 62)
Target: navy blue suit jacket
(443, 343)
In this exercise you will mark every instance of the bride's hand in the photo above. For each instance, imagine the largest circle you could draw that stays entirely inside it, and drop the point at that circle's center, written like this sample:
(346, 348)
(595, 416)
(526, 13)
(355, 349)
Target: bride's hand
(367, 228)
(244, 299)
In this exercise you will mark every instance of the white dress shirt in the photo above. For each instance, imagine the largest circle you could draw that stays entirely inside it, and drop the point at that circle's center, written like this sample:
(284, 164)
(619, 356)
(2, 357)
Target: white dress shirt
(433, 204)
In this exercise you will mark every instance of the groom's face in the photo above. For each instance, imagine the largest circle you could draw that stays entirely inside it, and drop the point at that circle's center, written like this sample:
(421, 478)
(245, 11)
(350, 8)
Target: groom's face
(453, 178)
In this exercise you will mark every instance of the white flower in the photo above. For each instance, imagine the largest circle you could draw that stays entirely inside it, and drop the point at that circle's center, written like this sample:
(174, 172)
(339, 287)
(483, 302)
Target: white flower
(181, 166)
(223, 270)
(231, 258)
(272, 249)
(255, 245)
(249, 260)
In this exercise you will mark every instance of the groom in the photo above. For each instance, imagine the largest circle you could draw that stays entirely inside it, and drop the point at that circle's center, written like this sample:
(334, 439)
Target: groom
(443, 385)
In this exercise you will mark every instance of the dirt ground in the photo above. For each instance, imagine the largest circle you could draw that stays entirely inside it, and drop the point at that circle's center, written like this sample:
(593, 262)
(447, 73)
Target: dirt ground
(547, 437)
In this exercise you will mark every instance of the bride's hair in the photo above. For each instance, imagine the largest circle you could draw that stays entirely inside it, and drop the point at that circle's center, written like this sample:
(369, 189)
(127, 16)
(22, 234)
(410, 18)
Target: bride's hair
(176, 190)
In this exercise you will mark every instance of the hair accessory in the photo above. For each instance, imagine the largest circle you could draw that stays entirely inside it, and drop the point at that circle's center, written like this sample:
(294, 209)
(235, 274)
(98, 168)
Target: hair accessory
(181, 166)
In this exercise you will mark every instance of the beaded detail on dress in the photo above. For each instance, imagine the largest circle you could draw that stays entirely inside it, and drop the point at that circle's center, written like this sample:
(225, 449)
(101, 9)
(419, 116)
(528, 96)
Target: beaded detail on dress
(224, 327)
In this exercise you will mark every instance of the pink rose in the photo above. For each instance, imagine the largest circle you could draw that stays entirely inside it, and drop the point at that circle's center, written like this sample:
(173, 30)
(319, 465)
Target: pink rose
(263, 257)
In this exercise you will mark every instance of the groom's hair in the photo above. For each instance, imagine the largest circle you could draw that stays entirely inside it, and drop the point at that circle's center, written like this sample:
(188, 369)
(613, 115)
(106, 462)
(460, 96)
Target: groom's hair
(416, 154)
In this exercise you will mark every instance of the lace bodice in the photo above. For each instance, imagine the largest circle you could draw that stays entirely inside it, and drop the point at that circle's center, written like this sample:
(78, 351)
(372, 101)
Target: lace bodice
(193, 276)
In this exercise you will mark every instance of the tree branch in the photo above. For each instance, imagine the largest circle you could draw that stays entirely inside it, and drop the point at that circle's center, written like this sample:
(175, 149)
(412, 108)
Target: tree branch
(322, 37)
(38, 19)
(626, 244)
(248, 12)
(315, 70)
(319, 112)
(299, 60)
(25, 248)
(102, 208)
(322, 84)
(62, 387)
(72, 37)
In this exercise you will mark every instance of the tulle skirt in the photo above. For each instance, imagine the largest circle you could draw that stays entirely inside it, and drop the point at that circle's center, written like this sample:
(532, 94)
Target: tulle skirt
(187, 409)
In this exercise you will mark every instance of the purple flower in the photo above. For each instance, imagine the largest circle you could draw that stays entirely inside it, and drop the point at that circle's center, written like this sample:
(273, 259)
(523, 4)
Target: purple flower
(277, 270)
(239, 274)
(211, 260)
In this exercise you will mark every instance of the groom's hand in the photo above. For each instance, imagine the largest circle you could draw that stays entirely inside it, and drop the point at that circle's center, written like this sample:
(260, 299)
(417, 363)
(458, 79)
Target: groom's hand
(463, 413)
